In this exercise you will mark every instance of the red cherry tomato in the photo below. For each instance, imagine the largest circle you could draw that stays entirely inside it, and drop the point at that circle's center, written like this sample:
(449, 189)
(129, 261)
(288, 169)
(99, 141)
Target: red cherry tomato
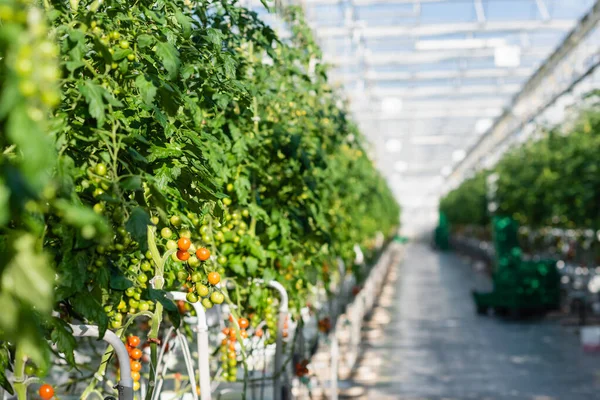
(46, 391)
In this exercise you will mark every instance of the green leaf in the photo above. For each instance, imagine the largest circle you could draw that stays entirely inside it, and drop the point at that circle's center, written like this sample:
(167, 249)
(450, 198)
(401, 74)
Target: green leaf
(4, 367)
(251, 265)
(145, 41)
(27, 274)
(185, 22)
(131, 183)
(62, 336)
(146, 88)
(236, 264)
(214, 36)
(81, 217)
(118, 281)
(4, 206)
(242, 188)
(169, 57)
(269, 274)
(137, 226)
(93, 94)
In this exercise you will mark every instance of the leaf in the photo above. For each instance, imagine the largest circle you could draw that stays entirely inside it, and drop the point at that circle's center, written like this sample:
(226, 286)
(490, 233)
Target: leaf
(251, 265)
(4, 207)
(269, 274)
(237, 265)
(27, 274)
(4, 367)
(93, 94)
(169, 151)
(145, 41)
(118, 281)
(90, 308)
(242, 188)
(62, 336)
(35, 146)
(185, 22)
(81, 217)
(137, 226)
(146, 88)
(131, 183)
(169, 57)
(214, 36)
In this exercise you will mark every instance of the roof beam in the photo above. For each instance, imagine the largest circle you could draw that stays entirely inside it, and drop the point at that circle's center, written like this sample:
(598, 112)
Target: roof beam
(444, 29)
(438, 91)
(423, 57)
(441, 74)
(432, 114)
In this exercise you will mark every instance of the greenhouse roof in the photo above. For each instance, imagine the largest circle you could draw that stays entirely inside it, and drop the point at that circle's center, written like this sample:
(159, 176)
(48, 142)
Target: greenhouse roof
(426, 78)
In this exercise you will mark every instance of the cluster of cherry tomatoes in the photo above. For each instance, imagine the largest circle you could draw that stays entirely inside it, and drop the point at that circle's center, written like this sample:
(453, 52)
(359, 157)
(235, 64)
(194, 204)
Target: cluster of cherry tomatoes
(135, 357)
(228, 348)
(302, 368)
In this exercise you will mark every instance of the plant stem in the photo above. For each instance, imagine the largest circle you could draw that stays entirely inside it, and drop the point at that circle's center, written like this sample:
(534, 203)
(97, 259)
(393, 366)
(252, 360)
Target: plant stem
(20, 386)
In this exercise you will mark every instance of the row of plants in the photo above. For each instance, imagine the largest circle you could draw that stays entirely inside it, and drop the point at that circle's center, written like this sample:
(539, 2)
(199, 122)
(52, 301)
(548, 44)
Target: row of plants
(550, 185)
(166, 145)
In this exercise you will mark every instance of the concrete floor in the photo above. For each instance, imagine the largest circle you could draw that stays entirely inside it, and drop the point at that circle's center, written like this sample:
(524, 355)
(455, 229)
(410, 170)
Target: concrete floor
(426, 342)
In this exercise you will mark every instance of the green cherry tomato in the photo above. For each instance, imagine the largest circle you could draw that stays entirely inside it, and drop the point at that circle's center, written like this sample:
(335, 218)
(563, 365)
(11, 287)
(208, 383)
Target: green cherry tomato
(191, 297)
(185, 233)
(207, 303)
(204, 229)
(222, 260)
(142, 278)
(133, 303)
(217, 297)
(196, 276)
(137, 295)
(154, 220)
(124, 44)
(219, 236)
(182, 276)
(171, 244)
(30, 370)
(245, 213)
(202, 289)
(146, 266)
(227, 201)
(206, 239)
(115, 324)
(193, 261)
(98, 192)
(100, 169)
(166, 233)
(130, 291)
(175, 220)
(131, 57)
(144, 306)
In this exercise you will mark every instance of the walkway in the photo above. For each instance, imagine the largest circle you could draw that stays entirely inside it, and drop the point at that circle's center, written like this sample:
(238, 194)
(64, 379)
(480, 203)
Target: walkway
(426, 342)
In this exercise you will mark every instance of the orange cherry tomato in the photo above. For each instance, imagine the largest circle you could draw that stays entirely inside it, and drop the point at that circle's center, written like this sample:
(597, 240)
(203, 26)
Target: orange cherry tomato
(203, 254)
(46, 391)
(244, 334)
(184, 243)
(133, 341)
(232, 334)
(136, 366)
(259, 333)
(243, 323)
(135, 375)
(183, 255)
(136, 354)
(232, 346)
(214, 278)
(224, 342)
(225, 331)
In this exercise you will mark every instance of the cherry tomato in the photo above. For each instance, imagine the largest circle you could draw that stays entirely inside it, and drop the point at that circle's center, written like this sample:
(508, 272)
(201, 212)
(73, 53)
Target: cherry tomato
(259, 333)
(133, 341)
(135, 376)
(136, 386)
(184, 243)
(222, 260)
(243, 323)
(125, 45)
(136, 366)
(166, 233)
(214, 278)
(183, 255)
(207, 303)
(244, 334)
(136, 354)
(191, 297)
(30, 370)
(202, 290)
(217, 297)
(171, 244)
(203, 254)
(100, 169)
(46, 391)
(175, 220)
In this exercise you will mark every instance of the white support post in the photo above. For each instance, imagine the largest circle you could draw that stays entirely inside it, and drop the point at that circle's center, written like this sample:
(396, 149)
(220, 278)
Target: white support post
(125, 386)
(283, 313)
(202, 343)
(335, 352)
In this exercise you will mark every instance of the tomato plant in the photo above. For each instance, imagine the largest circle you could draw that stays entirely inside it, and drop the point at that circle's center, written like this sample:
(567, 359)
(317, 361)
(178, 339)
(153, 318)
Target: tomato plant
(138, 139)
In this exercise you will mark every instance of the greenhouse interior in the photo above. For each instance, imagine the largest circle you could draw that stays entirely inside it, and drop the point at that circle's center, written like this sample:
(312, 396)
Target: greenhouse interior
(314, 199)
